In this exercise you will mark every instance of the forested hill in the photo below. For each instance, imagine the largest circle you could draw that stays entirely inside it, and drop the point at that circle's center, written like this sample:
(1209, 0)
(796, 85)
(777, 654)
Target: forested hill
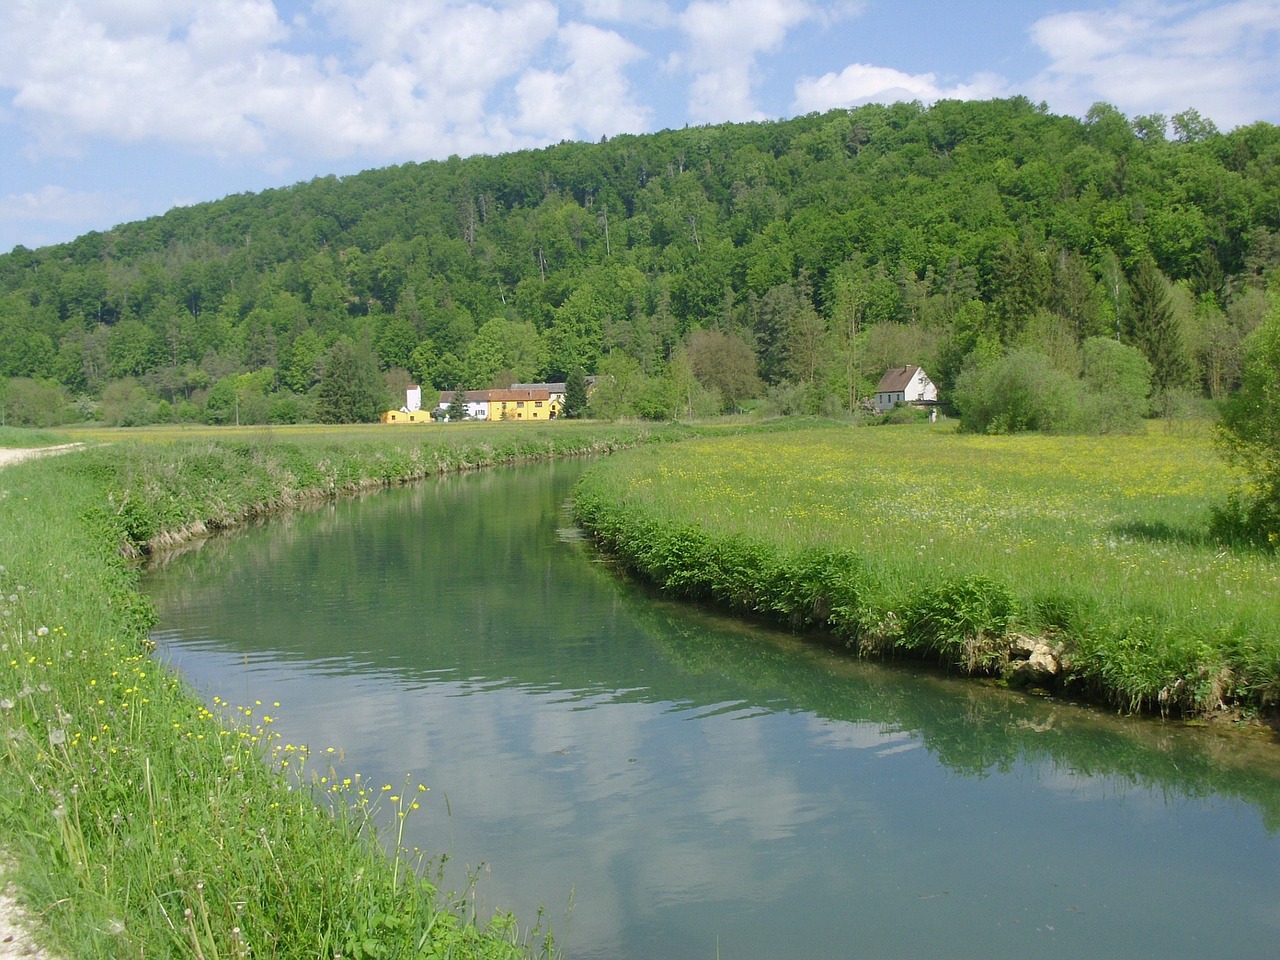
(831, 245)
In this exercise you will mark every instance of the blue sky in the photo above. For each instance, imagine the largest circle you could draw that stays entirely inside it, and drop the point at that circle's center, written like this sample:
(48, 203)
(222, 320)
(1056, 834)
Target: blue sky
(115, 110)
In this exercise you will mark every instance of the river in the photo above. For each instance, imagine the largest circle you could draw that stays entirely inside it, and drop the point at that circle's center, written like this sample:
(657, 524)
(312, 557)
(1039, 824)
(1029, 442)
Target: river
(662, 782)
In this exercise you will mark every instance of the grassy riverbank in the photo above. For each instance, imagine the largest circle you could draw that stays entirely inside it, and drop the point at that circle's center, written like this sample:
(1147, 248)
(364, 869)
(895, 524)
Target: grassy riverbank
(932, 543)
(142, 824)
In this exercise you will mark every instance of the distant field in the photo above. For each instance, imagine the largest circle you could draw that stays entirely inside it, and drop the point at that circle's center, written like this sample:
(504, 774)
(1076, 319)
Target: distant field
(1102, 540)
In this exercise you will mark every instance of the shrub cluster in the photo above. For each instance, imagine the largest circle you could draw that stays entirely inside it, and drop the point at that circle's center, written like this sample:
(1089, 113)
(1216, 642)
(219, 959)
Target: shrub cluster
(1023, 390)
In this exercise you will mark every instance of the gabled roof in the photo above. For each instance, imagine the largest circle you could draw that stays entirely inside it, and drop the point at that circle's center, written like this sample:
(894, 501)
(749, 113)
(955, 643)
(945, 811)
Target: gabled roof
(498, 396)
(897, 379)
(473, 396)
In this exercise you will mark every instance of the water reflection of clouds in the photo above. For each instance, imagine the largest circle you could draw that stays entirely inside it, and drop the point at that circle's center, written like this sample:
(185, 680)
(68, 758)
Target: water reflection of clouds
(635, 807)
(843, 735)
(1134, 800)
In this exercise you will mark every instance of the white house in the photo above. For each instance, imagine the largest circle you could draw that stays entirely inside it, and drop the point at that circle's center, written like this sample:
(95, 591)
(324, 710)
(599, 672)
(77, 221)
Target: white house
(477, 403)
(905, 385)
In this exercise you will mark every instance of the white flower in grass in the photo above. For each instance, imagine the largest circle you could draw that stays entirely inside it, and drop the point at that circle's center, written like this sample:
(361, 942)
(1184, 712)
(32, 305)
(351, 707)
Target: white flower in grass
(6, 704)
(42, 632)
(57, 737)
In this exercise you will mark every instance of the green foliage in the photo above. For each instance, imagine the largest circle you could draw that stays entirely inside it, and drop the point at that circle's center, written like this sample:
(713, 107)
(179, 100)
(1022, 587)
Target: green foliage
(1118, 379)
(457, 409)
(1251, 438)
(575, 394)
(31, 403)
(1149, 324)
(725, 364)
(1020, 391)
(958, 228)
(1023, 390)
(350, 389)
(504, 352)
(963, 620)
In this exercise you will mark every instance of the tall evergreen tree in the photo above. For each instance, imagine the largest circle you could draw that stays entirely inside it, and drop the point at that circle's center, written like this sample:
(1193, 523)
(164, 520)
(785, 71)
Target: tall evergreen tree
(1150, 325)
(457, 410)
(350, 388)
(575, 394)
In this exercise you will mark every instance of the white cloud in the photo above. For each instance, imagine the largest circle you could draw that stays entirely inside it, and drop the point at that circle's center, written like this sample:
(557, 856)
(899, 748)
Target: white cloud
(861, 83)
(649, 13)
(406, 78)
(592, 94)
(1223, 59)
(724, 38)
(56, 205)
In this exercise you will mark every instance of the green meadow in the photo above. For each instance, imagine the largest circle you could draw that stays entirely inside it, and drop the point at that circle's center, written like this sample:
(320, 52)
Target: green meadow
(926, 541)
(137, 822)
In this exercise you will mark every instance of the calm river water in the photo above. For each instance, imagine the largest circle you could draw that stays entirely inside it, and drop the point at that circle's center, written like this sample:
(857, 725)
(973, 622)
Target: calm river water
(669, 784)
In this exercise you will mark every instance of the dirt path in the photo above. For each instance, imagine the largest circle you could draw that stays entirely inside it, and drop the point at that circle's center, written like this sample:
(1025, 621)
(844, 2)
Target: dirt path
(10, 455)
(15, 939)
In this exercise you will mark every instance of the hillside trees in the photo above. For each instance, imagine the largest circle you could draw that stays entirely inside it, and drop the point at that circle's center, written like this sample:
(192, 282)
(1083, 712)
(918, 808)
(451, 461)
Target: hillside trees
(827, 243)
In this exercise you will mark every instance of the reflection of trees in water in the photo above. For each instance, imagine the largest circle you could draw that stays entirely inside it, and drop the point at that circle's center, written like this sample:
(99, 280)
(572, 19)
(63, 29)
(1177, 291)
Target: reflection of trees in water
(972, 728)
(470, 565)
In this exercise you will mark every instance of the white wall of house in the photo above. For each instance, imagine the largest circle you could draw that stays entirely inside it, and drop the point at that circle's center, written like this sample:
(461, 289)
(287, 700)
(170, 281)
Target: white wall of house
(918, 389)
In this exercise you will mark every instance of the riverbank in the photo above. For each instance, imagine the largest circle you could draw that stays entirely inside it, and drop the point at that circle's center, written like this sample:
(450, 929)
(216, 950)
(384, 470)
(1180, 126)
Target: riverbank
(1072, 564)
(139, 823)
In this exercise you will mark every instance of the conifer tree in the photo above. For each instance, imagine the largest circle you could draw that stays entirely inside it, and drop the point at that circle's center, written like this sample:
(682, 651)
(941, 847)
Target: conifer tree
(1150, 325)
(458, 405)
(575, 394)
(350, 389)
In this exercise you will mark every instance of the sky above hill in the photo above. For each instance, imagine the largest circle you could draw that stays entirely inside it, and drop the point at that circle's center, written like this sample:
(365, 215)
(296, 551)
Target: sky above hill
(115, 110)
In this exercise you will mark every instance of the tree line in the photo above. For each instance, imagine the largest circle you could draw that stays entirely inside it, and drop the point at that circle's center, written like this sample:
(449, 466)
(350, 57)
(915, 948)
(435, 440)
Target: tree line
(784, 264)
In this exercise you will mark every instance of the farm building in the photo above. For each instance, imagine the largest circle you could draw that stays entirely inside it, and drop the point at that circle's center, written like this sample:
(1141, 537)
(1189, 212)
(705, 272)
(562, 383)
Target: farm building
(909, 385)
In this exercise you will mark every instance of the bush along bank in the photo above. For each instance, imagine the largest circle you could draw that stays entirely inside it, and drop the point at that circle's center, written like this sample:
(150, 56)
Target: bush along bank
(142, 824)
(977, 624)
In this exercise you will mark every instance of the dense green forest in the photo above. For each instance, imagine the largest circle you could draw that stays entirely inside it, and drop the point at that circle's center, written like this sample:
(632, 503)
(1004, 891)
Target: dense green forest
(785, 264)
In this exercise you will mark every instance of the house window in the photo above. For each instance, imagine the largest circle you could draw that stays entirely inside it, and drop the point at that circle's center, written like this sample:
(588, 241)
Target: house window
(537, 403)
(520, 403)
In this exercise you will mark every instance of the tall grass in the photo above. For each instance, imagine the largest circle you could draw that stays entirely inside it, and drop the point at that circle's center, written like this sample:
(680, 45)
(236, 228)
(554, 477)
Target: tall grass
(926, 540)
(144, 825)
(25, 437)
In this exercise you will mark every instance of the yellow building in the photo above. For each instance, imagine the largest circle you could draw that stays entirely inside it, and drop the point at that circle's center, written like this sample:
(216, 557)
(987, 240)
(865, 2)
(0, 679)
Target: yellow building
(407, 416)
(523, 405)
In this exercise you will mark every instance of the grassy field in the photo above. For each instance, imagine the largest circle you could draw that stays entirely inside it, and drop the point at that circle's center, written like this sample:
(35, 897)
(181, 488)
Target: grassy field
(143, 825)
(926, 540)
(19, 437)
